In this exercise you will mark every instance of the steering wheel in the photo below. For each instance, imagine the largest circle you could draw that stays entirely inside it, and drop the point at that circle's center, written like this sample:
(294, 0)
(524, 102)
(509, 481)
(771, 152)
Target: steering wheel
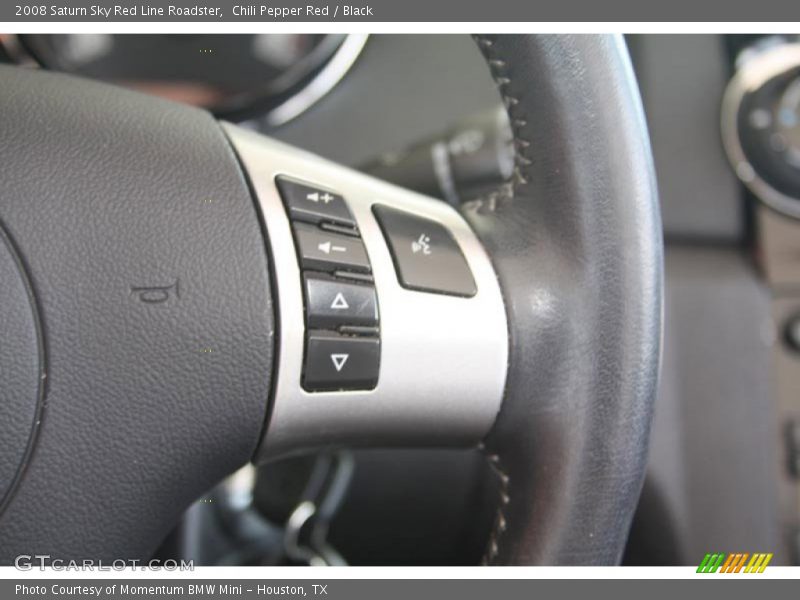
(181, 296)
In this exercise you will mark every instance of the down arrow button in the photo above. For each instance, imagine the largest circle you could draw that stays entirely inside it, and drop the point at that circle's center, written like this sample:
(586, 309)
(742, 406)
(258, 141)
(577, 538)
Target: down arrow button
(336, 362)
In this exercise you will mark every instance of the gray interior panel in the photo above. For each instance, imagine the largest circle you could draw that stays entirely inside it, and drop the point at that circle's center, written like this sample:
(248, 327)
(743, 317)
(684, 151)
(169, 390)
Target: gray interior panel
(710, 461)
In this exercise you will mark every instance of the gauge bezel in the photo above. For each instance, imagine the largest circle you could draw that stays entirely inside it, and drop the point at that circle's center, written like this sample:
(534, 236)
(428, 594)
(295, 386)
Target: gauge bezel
(323, 81)
(752, 74)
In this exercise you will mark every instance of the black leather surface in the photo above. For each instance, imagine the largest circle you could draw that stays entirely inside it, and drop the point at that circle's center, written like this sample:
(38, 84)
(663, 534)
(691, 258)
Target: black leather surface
(21, 367)
(576, 241)
(148, 404)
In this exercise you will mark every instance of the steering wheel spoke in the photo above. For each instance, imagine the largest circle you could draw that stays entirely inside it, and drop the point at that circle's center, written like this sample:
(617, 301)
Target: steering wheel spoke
(424, 363)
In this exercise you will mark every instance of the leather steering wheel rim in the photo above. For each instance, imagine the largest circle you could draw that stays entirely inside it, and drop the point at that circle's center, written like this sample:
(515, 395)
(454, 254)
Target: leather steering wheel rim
(576, 242)
(146, 325)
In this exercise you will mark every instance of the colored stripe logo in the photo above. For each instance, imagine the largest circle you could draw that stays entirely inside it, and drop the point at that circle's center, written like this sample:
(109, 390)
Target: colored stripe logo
(740, 562)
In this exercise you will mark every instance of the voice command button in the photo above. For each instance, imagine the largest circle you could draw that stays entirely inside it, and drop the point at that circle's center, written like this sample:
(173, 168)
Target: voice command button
(425, 255)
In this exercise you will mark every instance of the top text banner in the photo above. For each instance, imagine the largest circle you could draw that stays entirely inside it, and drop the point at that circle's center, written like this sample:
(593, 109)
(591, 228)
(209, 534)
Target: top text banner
(476, 11)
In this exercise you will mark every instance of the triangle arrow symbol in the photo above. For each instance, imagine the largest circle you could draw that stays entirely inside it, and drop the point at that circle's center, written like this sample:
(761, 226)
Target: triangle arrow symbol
(339, 302)
(339, 360)
(325, 247)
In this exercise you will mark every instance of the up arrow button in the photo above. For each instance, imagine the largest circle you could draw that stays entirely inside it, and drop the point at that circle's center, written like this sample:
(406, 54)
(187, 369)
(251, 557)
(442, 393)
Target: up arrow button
(332, 303)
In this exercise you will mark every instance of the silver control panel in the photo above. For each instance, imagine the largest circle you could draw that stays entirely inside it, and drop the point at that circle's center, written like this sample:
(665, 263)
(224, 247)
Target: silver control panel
(391, 325)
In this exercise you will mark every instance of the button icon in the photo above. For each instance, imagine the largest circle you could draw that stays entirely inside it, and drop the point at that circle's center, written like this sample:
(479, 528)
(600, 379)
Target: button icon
(327, 248)
(423, 244)
(339, 360)
(339, 302)
(316, 197)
